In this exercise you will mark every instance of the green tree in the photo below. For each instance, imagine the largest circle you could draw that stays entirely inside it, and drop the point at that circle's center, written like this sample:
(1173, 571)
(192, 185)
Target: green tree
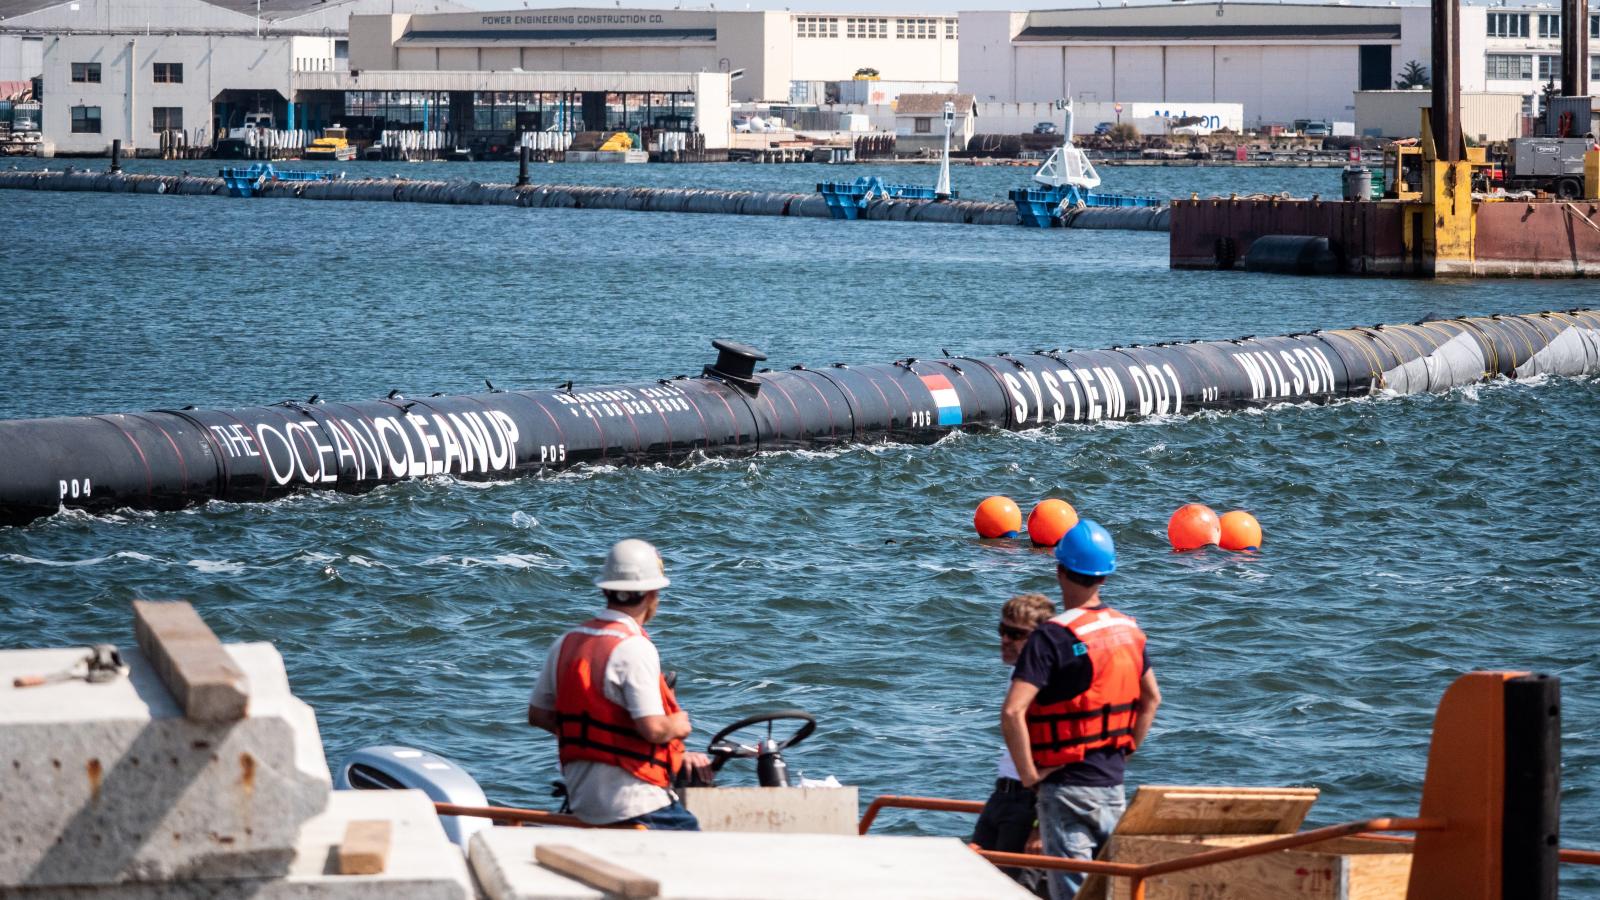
(1414, 75)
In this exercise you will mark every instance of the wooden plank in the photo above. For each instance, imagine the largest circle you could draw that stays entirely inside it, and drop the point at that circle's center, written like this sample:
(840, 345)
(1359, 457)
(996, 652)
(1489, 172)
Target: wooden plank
(1168, 809)
(596, 872)
(1378, 876)
(365, 848)
(207, 683)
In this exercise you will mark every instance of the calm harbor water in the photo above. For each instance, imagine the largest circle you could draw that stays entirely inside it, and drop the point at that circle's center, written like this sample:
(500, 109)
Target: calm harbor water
(1407, 539)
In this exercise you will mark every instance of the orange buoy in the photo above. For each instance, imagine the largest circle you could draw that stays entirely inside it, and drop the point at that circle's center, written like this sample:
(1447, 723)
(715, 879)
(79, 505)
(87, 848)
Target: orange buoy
(1193, 526)
(997, 517)
(1050, 520)
(1240, 531)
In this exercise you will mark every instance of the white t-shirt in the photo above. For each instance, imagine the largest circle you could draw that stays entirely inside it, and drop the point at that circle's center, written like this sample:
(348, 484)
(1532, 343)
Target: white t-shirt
(602, 793)
(1007, 766)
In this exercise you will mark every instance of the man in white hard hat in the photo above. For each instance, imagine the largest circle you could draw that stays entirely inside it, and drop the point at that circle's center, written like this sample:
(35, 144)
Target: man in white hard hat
(602, 694)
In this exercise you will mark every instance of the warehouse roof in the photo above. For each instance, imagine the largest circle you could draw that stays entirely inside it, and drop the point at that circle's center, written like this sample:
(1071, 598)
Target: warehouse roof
(933, 104)
(1345, 31)
(270, 10)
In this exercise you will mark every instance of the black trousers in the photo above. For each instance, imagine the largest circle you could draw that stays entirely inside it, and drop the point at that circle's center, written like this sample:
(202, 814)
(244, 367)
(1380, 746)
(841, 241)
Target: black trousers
(1005, 824)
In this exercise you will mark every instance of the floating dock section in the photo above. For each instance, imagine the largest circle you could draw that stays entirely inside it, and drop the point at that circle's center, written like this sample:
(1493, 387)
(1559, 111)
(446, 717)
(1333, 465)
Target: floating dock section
(682, 200)
(167, 459)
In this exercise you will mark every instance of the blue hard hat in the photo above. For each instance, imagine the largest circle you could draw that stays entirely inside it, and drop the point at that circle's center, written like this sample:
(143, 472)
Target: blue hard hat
(1087, 550)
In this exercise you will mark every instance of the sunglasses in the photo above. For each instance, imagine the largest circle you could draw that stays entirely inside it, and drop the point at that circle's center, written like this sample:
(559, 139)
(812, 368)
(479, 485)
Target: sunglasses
(1011, 633)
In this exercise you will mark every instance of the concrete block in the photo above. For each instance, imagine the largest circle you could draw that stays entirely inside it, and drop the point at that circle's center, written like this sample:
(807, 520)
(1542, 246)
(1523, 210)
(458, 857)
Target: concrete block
(107, 783)
(733, 866)
(191, 661)
(775, 810)
(423, 864)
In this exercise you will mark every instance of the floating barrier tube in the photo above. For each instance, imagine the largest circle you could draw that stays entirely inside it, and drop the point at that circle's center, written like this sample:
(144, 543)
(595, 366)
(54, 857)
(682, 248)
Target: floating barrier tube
(168, 459)
(744, 203)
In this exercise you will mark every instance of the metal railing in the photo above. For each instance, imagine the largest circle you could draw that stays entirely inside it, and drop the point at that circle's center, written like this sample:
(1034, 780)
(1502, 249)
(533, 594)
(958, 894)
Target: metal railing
(1566, 855)
(1137, 874)
(515, 816)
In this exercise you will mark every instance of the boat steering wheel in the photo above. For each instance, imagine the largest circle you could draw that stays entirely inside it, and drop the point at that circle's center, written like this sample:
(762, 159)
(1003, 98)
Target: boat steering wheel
(722, 748)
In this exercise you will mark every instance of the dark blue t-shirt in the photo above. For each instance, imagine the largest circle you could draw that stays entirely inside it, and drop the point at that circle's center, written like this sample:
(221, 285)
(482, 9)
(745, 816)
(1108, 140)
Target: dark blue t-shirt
(1051, 662)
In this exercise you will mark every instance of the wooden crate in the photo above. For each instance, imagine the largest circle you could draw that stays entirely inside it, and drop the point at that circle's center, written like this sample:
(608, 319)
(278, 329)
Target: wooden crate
(1167, 822)
(1340, 869)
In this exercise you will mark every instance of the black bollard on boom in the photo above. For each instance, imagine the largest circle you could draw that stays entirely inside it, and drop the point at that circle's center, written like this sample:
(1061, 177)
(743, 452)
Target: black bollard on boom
(116, 156)
(1531, 835)
(522, 167)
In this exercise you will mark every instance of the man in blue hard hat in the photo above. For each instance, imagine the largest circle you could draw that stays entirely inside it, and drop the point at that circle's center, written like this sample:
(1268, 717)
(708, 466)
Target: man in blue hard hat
(1082, 698)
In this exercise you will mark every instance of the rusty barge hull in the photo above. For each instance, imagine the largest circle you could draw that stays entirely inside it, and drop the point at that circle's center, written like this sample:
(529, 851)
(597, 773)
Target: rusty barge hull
(1525, 239)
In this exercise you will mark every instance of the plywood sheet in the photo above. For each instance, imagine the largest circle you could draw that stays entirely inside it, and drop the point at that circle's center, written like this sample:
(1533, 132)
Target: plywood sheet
(1166, 809)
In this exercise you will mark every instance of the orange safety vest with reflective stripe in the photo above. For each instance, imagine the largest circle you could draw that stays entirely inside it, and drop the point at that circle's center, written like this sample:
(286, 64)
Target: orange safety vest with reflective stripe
(1102, 716)
(589, 725)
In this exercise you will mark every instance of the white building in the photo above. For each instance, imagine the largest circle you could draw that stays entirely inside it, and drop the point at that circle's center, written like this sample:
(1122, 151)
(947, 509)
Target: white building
(1282, 61)
(134, 69)
(778, 56)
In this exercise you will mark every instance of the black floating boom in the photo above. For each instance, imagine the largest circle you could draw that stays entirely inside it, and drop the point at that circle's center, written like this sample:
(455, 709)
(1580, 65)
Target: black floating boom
(168, 459)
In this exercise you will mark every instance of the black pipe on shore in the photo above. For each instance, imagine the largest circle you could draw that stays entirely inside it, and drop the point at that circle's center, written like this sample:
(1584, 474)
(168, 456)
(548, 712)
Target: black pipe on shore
(168, 459)
(692, 200)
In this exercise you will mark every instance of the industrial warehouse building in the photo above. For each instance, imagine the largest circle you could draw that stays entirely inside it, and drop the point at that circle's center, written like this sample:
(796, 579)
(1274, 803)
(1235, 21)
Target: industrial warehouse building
(149, 71)
(1281, 61)
(777, 56)
(144, 71)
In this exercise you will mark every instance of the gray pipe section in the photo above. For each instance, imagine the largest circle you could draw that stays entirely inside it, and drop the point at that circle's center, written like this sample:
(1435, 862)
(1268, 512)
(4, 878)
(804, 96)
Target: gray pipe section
(167, 459)
(682, 200)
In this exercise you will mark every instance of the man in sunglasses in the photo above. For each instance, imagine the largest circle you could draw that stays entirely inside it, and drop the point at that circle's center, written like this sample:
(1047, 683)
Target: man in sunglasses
(1082, 698)
(1008, 821)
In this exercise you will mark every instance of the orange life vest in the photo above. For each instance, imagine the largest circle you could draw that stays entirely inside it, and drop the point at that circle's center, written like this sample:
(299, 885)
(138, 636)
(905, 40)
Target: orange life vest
(1103, 715)
(589, 726)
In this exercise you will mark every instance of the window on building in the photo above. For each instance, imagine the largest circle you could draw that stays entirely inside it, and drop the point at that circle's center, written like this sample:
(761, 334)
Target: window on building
(88, 72)
(166, 118)
(922, 125)
(1508, 25)
(1594, 26)
(916, 29)
(816, 26)
(1549, 68)
(169, 73)
(1549, 25)
(866, 28)
(86, 120)
(1594, 68)
(950, 32)
(1506, 66)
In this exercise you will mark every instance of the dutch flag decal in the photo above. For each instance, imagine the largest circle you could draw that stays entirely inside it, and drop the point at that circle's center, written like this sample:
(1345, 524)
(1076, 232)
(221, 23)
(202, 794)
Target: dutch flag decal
(944, 397)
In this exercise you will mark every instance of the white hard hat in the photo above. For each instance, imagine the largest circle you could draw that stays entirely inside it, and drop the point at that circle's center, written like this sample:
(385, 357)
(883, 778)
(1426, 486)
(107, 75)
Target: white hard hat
(632, 565)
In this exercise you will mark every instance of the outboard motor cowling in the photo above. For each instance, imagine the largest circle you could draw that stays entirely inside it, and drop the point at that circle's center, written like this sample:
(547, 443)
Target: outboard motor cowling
(398, 768)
